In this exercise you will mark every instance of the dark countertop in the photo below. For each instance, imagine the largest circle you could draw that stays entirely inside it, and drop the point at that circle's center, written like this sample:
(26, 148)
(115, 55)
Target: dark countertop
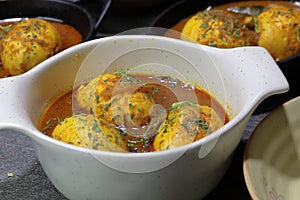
(22, 176)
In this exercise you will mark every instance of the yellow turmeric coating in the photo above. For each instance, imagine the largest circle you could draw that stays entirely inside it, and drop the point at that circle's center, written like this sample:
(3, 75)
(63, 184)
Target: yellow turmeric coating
(275, 27)
(27, 44)
(99, 89)
(279, 31)
(218, 28)
(114, 101)
(89, 132)
(185, 123)
(130, 109)
(122, 112)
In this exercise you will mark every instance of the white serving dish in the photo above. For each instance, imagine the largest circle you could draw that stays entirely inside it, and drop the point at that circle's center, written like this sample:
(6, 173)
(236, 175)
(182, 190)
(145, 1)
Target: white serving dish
(239, 78)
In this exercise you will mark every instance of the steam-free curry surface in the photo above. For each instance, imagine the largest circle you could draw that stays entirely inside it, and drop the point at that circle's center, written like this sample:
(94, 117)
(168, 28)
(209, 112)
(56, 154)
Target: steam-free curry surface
(139, 113)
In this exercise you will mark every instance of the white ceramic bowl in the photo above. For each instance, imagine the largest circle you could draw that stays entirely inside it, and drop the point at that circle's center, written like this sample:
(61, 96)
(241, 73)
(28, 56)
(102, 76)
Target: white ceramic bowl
(239, 78)
(272, 156)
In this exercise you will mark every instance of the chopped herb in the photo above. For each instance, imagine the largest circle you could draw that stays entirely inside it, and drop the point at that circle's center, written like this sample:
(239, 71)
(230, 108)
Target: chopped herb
(204, 25)
(6, 28)
(91, 110)
(36, 28)
(212, 44)
(97, 99)
(181, 103)
(255, 24)
(162, 141)
(96, 127)
(119, 73)
(90, 135)
(130, 105)
(201, 123)
(298, 33)
(109, 103)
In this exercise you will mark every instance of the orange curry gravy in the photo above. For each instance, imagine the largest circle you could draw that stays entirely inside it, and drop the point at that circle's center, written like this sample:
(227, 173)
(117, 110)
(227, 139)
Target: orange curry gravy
(168, 91)
(179, 26)
(69, 35)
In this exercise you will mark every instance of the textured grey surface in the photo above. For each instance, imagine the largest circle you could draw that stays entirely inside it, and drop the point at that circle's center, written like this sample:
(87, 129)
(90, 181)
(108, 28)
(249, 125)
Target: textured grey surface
(28, 180)
(17, 156)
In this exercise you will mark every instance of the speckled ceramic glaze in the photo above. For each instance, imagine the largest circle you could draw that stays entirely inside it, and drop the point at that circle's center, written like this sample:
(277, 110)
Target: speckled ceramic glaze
(272, 156)
(239, 78)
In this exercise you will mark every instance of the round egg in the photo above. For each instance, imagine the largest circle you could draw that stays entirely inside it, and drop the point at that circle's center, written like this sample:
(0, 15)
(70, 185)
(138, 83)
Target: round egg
(218, 28)
(279, 31)
(29, 43)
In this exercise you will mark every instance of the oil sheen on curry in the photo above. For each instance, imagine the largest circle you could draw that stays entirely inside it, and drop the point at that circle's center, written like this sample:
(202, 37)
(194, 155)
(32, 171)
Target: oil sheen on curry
(274, 25)
(133, 113)
(26, 43)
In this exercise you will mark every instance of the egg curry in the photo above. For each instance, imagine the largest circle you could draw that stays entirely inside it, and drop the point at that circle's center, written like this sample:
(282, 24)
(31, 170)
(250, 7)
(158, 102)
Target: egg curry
(274, 25)
(132, 113)
(26, 43)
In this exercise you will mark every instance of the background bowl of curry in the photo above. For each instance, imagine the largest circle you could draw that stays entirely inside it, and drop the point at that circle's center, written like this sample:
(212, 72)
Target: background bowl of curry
(73, 14)
(74, 23)
(174, 17)
(190, 171)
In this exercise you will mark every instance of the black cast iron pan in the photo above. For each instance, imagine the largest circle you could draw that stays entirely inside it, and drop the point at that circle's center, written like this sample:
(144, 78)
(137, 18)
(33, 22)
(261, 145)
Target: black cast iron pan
(290, 66)
(61, 10)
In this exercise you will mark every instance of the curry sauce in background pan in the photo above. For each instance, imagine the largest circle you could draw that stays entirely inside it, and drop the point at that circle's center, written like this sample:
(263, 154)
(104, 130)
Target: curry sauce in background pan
(34, 30)
(177, 15)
